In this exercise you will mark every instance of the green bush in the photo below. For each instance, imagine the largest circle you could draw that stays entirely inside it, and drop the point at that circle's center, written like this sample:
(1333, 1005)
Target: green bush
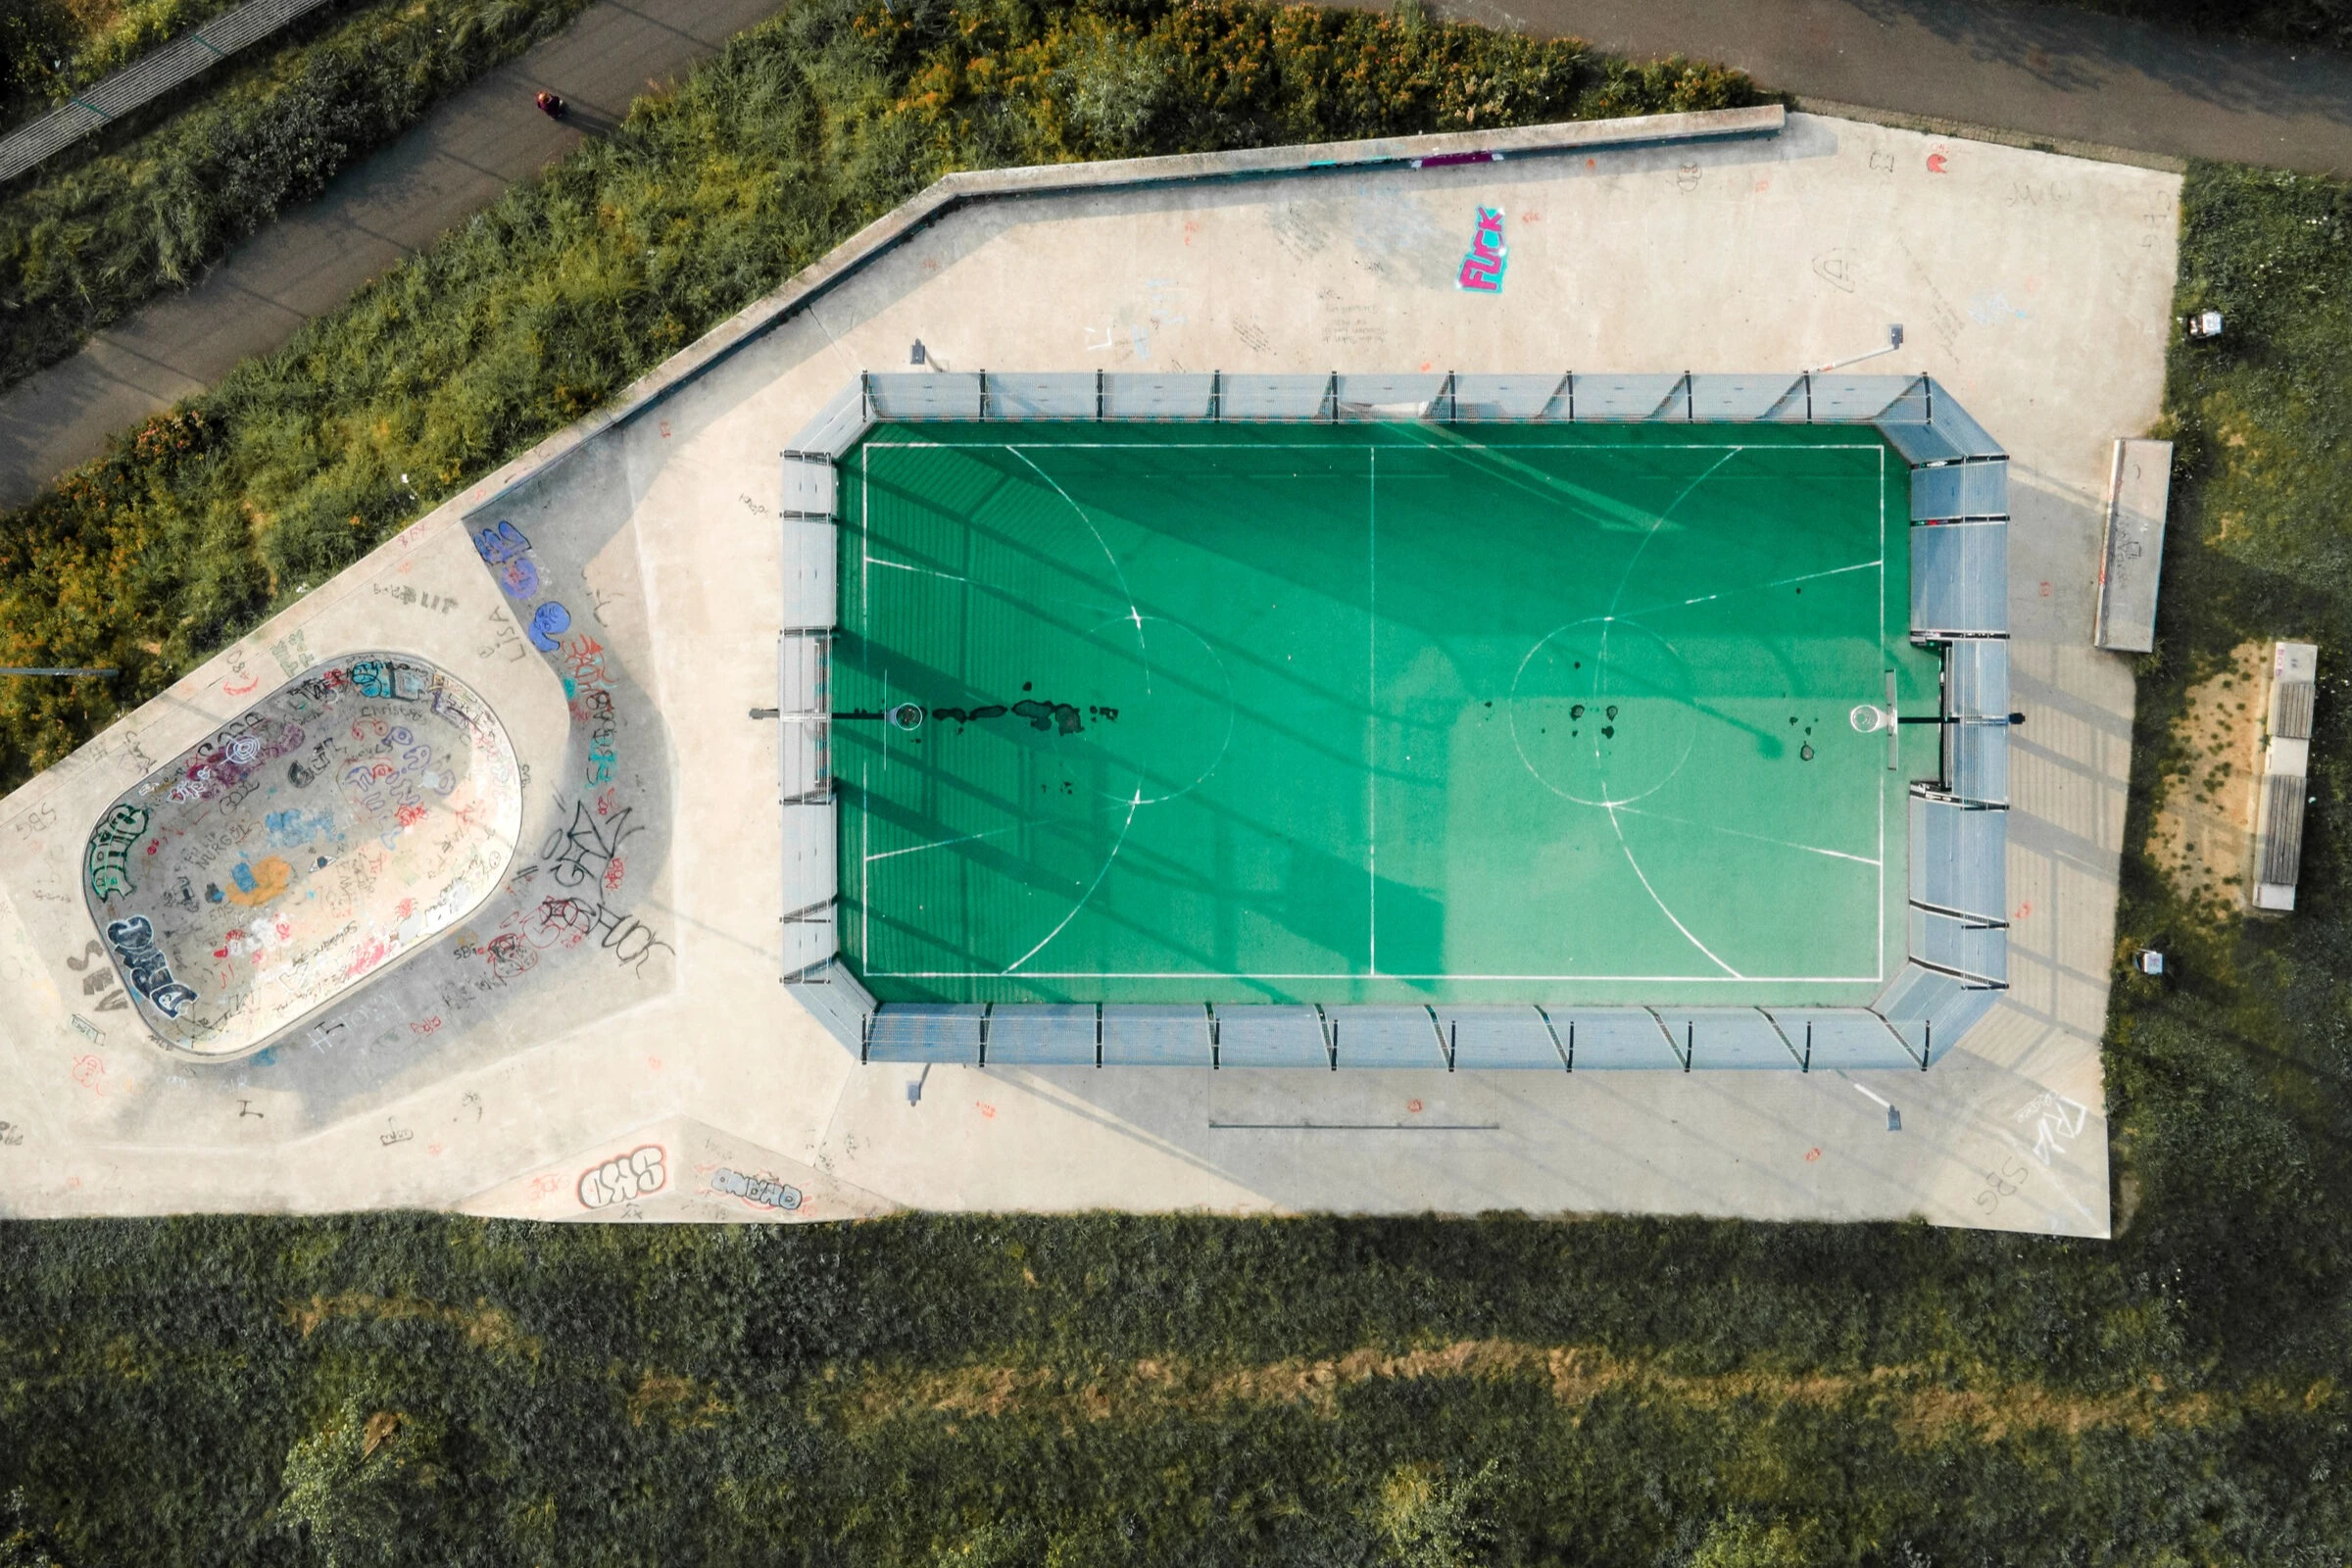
(544, 306)
(2234, 1084)
(1181, 1389)
(90, 240)
(52, 48)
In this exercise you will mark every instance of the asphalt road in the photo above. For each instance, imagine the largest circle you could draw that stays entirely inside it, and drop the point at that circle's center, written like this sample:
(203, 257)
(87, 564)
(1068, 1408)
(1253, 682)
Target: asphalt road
(2044, 70)
(451, 165)
(2047, 70)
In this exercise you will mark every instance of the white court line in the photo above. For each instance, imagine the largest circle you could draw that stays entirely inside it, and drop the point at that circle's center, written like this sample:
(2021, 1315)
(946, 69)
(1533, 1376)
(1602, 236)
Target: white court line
(1134, 612)
(1785, 844)
(1663, 909)
(917, 848)
(1252, 974)
(1603, 662)
(1372, 705)
(1337, 446)
(1120, 843)
(1730, 974)
(928, 571)
(1886, 918)
(1785, 582)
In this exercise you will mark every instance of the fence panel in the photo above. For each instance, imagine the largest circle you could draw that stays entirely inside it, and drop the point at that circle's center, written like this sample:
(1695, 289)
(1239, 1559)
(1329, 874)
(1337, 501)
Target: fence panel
(1973, 949)
(1385, 1037)
(1749, 399)
(937, 395)
(1613, 1036)
(1127, 396)
(1729, 1037)
(1270, 1035)
(1958, 858)
(1275, 398)
(1366, 398)
(1976, 762)
(1839, 399)
(1155, 1035)
(1960, 579)
(1042, 1034)
(927, 1031)
(1627, 397)
(1492, 1038)
(1848, 1037)
(1488, 399)
(1068, 395)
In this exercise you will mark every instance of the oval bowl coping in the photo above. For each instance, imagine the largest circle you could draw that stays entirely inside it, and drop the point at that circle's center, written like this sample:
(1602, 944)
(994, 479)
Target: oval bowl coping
(303, 849)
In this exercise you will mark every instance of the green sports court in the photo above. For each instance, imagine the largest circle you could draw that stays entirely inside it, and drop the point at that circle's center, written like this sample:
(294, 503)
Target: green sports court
(1374, 712)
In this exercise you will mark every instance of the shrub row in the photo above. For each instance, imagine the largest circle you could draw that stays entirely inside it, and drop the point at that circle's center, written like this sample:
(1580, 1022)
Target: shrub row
(49, 49)
(545, 304)
(87, 240)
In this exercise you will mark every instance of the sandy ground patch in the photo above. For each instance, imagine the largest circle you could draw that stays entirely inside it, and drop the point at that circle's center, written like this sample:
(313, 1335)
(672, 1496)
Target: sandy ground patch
(2204, 830)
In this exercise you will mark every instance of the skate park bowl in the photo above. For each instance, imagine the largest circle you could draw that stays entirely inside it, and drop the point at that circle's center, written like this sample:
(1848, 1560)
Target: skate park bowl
(303, 849)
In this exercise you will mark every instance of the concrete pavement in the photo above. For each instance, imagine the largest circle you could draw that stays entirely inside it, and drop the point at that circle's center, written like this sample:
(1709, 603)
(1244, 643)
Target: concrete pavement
(606, 1037)
(2046, 71)
(454, 162)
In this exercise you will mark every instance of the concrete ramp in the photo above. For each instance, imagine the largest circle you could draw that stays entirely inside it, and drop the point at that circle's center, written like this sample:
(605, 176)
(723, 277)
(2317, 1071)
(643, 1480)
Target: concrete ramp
(307, 845)
(2140, 488)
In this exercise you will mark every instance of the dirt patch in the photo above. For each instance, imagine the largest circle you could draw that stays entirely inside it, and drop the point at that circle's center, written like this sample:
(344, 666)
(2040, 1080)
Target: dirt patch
(681, 1401)
(2202, 838)
(485, 1327)
(1920, 1405)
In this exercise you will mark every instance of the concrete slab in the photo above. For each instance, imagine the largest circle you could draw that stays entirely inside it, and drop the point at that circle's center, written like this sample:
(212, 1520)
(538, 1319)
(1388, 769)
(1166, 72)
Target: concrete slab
(2138, 492)
(2035, 286)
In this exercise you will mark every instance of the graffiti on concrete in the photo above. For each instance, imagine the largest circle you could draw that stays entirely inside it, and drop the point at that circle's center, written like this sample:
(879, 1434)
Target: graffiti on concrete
(624, 1178)
(2060, 1121)
(99, 982)
(572, 921)
(144, 966)
(502, 544)
(107, 859)
(1484, 261)
(586, 851)
(316, 839)
(588, 688)
(406, 594)
(506, 550)
(760, 1191)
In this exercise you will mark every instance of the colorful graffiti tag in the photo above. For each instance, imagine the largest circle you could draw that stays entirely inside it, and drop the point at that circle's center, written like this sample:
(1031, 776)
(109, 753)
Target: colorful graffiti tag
(761, 1192)
(314, 840)
(625, 1178)
(107, 859)
(1484, 261)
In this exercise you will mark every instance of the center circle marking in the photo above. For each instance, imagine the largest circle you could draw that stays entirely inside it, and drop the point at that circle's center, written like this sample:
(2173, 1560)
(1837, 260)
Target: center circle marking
(1601, 712)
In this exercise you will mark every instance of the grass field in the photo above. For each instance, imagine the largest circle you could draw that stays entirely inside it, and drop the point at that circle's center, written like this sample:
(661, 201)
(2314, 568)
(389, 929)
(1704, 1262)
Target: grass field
(1154, 1388)
(1349, 713)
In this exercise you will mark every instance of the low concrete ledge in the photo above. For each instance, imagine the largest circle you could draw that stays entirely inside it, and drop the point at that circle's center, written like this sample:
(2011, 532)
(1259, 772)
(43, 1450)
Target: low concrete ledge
(951, 192)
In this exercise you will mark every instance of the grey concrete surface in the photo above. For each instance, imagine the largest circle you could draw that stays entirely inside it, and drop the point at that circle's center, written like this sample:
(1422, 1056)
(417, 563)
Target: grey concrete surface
(2050, 70)
(454, 162)
(593, 1084)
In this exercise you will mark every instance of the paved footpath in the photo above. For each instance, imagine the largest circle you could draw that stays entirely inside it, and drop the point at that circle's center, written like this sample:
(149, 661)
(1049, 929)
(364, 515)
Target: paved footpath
(2043, 70)
(2046, 71)
(454, 162)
